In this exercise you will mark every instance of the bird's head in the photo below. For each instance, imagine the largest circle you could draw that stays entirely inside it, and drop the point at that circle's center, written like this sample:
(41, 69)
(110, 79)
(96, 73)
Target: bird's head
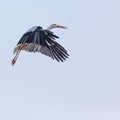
(56, 26)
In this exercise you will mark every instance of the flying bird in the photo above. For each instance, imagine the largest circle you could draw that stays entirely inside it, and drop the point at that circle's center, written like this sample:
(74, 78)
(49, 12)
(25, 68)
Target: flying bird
(37, 39)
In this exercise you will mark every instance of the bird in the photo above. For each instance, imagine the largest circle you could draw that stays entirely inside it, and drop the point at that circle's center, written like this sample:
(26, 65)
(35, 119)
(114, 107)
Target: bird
(37, 39)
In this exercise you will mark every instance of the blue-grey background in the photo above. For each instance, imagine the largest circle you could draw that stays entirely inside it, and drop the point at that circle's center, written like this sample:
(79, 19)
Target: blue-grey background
(86, 86)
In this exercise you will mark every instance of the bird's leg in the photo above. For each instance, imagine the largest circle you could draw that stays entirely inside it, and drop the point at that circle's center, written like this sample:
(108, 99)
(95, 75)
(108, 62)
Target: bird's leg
(18, 52)
(15, 58)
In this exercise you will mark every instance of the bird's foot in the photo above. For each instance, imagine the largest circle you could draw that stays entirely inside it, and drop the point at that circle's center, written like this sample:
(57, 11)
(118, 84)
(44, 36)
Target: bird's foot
(13, 62)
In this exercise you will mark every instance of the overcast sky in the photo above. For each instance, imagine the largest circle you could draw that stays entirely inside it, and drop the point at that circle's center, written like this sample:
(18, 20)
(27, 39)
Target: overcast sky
(86, 86)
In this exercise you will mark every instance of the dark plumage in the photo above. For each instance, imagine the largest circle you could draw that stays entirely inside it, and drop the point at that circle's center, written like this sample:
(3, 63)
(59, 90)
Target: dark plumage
(37, 39)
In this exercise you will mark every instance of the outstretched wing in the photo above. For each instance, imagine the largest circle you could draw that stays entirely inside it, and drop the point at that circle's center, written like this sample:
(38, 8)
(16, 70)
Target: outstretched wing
(43, 41)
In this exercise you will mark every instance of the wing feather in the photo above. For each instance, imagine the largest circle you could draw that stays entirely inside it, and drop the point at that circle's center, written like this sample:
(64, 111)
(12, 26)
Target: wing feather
(43, 41)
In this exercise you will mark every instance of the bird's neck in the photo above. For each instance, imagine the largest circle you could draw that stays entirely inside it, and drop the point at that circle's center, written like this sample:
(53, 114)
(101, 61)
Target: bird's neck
(50, 27)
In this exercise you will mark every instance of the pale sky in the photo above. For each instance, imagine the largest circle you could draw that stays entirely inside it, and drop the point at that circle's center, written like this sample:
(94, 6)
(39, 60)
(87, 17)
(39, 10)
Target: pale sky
(86, 86)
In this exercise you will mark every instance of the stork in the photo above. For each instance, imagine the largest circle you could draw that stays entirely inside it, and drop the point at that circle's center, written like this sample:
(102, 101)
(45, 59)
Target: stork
(37, 39)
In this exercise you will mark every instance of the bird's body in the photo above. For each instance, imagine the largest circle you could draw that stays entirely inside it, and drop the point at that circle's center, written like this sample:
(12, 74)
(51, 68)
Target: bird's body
(41, 40)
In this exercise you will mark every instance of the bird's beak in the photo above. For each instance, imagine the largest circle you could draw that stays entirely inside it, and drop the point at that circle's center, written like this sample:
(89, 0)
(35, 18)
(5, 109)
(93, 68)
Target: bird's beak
(60, 26)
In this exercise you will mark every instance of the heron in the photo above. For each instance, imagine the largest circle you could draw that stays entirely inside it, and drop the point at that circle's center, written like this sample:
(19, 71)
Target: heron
(37, 39)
